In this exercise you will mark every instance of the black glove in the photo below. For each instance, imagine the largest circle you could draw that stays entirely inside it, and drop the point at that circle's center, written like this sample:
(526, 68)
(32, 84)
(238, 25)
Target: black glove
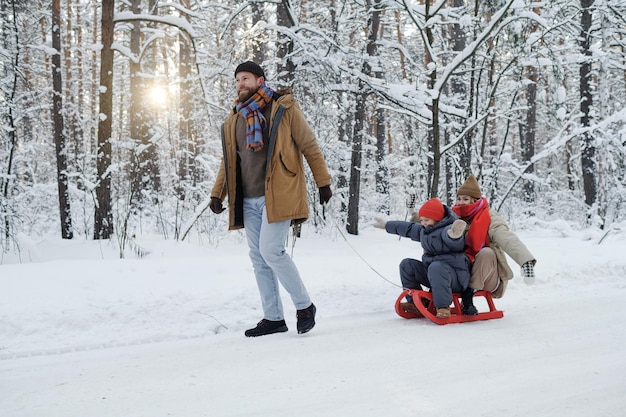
(216, 205)
(325, 194)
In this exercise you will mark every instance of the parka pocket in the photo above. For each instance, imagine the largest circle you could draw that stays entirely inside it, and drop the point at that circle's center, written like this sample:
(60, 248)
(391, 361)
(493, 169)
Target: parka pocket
(285, 179)
(285, 165)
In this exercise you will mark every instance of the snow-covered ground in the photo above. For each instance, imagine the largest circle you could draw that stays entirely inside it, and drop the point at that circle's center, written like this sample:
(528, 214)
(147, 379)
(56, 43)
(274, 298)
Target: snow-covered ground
(83, 333)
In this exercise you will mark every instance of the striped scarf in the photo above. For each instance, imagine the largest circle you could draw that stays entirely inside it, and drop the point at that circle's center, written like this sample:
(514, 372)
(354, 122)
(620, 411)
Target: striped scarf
(477, 214)
(251, 111)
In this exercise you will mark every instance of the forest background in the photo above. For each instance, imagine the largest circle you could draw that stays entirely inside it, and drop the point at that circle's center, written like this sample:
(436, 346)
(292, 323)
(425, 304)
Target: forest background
(111, 110)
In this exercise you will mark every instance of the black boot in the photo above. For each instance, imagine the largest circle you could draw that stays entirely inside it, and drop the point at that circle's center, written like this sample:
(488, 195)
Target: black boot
(267, 327)
(468, 303)
(306, 318)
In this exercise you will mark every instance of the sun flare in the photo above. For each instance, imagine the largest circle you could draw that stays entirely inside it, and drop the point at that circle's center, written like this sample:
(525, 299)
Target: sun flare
(158, 95)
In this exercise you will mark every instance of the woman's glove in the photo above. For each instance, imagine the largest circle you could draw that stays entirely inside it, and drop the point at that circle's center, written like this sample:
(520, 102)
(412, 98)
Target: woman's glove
(528, 272)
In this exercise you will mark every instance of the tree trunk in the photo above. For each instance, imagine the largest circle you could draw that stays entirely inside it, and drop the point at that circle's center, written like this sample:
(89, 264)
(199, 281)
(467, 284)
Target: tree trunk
(94, 86)
(57, 115)
(286, 68)
(380, 132)
(258, 49)
(382, 172)
(187, 170)
(12, 74)
(354, 190)
(487, 135)
(458, 89)
(400, 42)
(137, 113)
(354, 194)
(530, 126)
(103, 217)
(586, 101)
(345, 137)
(528, 131)
(344, 129)
(433, 134)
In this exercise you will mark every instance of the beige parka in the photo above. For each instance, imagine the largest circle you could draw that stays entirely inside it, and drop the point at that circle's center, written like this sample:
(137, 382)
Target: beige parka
(504, 242)
(290, 139)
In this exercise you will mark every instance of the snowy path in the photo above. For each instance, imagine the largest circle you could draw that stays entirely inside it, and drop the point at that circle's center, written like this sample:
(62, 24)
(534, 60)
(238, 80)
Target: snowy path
(558, 351)
(380, 365)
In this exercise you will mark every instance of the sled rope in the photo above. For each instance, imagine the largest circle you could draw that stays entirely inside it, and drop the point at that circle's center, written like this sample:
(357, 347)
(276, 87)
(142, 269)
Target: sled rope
(358, 254)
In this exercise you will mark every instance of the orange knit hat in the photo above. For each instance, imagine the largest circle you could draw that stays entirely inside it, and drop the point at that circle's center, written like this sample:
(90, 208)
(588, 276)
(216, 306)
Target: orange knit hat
(432, 209)
(470, 187)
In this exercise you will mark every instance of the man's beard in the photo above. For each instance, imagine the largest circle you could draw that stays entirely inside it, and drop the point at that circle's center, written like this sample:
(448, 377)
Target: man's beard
(246, 94)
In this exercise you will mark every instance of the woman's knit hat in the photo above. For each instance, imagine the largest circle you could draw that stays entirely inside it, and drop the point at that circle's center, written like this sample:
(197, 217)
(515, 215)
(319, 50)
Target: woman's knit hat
(250, 66)
(432, 209)
(470, 187)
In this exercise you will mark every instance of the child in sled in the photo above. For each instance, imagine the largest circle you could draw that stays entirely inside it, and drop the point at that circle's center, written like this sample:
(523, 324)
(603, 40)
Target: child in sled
(444, 268)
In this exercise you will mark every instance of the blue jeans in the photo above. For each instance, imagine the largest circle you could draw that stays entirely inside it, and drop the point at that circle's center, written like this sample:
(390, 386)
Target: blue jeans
(270, 260)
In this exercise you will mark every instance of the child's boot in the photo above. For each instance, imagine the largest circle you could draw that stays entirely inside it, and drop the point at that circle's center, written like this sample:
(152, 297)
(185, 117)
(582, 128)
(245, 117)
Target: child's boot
(409, 307)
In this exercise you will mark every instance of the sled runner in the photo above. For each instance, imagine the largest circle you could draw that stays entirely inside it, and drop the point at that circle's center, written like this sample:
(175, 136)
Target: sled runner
(420, 298)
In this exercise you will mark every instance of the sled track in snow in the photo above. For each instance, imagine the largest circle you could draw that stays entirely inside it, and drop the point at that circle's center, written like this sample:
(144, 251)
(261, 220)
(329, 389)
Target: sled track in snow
(6, 354)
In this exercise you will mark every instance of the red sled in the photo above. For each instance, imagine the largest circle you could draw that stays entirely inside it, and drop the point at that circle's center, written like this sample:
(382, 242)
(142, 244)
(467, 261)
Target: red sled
(456, 309)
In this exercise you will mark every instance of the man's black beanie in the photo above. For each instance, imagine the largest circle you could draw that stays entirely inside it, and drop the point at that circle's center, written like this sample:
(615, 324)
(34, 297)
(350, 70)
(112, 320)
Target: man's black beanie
(250, 66)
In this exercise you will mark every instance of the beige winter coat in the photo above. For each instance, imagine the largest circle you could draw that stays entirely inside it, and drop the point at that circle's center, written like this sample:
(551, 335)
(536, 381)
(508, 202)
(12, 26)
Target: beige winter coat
(504, 242)
(290, 139)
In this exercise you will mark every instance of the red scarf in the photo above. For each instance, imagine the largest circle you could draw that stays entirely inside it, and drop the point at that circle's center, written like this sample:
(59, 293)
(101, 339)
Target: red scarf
(477, 214)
